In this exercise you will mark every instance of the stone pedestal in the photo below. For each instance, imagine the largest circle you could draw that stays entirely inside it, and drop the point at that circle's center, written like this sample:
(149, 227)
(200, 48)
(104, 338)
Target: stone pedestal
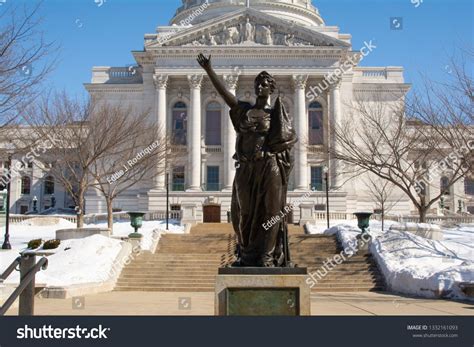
(262, 292)
(81, 233)
(306, 213)
(189, 214)
(363, 242)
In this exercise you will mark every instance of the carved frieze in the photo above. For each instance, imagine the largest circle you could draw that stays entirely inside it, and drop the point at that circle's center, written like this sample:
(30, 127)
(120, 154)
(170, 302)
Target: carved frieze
(248, 31)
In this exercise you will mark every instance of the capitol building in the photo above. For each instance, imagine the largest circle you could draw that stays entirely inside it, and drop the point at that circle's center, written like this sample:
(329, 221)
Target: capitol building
(288, 38)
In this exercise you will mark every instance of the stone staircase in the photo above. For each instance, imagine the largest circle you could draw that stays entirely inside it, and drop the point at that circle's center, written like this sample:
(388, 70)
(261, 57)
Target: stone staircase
(358, 273)
(190, 262)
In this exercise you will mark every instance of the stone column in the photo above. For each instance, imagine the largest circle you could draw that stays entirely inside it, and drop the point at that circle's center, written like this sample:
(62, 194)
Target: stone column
(229, 136)
(301, 122)
(194, 133)
(161, 84)
(335, 96)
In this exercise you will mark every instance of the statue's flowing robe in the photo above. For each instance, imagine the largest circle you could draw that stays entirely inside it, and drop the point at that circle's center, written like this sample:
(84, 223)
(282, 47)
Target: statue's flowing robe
(261, 183)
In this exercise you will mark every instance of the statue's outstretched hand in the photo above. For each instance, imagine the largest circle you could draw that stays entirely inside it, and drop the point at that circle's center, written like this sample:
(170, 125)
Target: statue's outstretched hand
(204, 62)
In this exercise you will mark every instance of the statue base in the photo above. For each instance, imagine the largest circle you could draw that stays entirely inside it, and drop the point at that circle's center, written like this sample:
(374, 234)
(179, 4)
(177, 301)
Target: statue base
(256, 291)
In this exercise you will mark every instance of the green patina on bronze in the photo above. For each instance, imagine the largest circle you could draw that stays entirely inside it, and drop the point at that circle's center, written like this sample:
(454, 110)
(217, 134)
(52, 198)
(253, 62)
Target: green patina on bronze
(262, 301)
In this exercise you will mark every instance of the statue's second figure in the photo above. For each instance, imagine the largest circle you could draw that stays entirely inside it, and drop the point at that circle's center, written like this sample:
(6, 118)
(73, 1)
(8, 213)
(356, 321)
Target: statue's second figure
(265, 137)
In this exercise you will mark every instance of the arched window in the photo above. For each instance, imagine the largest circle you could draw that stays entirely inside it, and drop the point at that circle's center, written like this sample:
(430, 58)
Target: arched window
(179, 123)
(49, 185)
(315, 124)
(444, 185)
(213, 124)
(25, 185)
(469, 186)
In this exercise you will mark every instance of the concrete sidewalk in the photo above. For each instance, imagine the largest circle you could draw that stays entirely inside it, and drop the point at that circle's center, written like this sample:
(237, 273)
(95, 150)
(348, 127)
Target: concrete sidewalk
(190, 304)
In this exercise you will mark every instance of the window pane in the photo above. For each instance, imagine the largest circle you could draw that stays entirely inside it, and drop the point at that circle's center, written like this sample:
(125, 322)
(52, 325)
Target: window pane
(445, 185)
(25, 185)
(469, 186)
(178, 179)
(49, 185)
(180, 127)
(317, 178)
(213, 127)
(212, 183)
(316, 127)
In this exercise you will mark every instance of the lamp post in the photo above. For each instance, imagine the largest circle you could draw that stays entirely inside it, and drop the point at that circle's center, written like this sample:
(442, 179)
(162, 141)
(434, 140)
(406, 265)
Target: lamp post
(326, 179)
(35, 204)
(6, 241)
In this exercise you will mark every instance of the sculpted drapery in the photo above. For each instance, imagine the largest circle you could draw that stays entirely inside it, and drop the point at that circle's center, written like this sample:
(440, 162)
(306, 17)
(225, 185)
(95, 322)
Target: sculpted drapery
(265, 137)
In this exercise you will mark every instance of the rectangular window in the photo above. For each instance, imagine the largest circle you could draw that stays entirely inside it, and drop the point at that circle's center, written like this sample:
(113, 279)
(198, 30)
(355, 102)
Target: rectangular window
(175, 207)
(178, 179)
(213, 128)
(469, 186)
(316, 128)
(317, 178)
(212, 183)
(179, 128)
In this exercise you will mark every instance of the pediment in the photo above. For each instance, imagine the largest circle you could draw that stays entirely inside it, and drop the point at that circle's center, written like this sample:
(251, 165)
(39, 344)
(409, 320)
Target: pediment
(249, 27)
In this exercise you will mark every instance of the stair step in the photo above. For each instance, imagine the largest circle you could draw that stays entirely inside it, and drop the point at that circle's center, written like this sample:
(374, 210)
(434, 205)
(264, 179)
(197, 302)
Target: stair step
(163, 289)
(190, 262)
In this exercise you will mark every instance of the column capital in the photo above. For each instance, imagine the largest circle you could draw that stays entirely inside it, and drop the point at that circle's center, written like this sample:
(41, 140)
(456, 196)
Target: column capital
(231, 81)
(161, 81)
(195, 81)
(299, 81)
(336, 85)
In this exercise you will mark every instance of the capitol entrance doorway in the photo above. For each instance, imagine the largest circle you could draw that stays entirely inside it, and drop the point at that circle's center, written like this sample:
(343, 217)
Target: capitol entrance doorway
(212, 213)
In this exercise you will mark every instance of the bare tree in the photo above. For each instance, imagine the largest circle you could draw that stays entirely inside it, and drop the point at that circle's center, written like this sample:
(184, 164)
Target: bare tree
(23, 66)
(85, 134)
(395, 143)
(135, 158)
(382, 192)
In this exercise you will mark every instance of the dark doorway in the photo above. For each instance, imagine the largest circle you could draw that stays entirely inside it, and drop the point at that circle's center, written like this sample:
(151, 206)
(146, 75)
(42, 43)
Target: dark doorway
(212, 214)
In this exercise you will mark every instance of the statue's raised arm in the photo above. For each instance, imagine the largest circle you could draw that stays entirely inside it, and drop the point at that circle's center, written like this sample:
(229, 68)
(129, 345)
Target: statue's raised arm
(228, 97)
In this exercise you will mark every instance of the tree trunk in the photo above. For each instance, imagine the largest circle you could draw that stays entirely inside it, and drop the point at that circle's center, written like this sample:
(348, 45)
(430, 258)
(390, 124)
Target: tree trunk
(383, 219)
(110, 214)
(80, 211)
(422, 212)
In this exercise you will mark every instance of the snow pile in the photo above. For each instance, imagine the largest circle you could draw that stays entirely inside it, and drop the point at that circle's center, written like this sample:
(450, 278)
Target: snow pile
(81, 261)
(415, 265)
(89, 260)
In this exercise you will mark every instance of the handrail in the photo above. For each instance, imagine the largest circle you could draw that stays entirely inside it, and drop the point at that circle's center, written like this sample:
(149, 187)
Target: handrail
(10, 269)
(25, 281)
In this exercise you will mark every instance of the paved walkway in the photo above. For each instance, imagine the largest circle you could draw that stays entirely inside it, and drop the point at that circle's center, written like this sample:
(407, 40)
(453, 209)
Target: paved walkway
(172, 303)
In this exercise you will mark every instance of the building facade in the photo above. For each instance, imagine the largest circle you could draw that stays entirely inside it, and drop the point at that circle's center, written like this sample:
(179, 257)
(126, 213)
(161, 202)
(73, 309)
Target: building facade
(290, 40)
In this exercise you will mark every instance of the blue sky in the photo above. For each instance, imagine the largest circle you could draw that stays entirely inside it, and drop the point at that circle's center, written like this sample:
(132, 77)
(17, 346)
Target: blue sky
(91, 35)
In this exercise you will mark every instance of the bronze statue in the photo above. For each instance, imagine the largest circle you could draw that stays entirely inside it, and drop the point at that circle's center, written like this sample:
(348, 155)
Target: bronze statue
(265, 137)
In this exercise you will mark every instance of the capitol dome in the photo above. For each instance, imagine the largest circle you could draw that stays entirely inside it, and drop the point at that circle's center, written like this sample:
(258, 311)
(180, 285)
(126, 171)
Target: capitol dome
(298, 11)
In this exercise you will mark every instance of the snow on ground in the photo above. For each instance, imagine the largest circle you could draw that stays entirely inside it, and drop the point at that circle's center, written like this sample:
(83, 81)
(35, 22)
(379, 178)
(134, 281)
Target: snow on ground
(415, 265)
(88, 260)
(81, 261)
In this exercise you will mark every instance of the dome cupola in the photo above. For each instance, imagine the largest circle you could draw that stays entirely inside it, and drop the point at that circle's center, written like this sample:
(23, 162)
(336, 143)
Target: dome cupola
(298, 11)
